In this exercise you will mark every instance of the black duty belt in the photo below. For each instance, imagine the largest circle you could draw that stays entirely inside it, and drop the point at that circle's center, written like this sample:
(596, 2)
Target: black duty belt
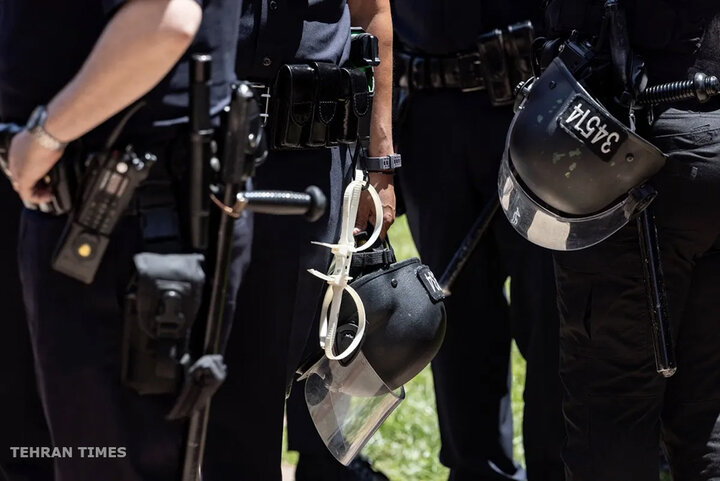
(500, 62)
(459, 72)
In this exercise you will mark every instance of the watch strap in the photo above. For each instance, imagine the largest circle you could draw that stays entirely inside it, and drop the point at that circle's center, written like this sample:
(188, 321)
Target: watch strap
(378, 164)
(36, 128)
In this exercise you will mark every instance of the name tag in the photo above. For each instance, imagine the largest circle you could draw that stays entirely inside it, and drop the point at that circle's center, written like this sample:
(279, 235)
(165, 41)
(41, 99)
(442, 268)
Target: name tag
(600, 133)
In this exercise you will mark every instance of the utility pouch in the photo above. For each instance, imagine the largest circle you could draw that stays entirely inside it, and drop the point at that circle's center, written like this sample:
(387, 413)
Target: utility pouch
(354, 108)
(327, 91)
(364, 49)
(518, 47)
(160, 308)
(293, 105)
(495, 68)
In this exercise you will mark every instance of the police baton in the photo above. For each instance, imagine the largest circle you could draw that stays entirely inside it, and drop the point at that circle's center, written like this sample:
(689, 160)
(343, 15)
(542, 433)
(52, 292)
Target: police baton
(469, 244)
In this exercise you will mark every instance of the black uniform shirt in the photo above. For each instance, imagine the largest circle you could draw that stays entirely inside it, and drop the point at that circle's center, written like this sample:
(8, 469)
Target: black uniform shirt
(277, 32)
(443, 27)
(43, 44)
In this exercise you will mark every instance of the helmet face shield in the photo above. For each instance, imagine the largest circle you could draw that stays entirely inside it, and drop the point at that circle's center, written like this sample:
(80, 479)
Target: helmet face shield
(348, 403)
(569, 166)
(547, 229)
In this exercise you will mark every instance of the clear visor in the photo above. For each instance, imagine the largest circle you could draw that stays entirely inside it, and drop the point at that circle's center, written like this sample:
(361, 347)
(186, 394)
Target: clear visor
(547, 229)
(348, 404)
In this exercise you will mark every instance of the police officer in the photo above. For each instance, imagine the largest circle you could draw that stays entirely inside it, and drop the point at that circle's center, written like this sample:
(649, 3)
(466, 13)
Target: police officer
(21, 416)
(83, 62)
(451, 134)
(279, 300)
(616, 406)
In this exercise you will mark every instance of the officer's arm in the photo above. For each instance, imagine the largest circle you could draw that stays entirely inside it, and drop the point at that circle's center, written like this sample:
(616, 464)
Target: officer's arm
(138, 47)
(374, 17)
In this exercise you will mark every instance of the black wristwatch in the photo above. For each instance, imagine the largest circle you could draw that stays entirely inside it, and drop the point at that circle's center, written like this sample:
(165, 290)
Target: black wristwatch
(387, 163)
(36, 127)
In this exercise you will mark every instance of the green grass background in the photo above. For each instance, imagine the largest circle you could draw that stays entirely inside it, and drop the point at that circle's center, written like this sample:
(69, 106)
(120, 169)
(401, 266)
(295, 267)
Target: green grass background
(407, 445)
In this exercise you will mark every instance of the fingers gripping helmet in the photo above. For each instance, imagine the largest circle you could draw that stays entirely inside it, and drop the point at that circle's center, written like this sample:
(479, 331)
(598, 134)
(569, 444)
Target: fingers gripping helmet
(572, 175)
(349, 399)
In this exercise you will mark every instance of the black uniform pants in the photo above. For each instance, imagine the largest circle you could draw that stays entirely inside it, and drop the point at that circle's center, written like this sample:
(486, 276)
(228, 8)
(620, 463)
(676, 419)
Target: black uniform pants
(451, 144)
(617, 407)
(76, 331)
(277, 305)
(22, 422)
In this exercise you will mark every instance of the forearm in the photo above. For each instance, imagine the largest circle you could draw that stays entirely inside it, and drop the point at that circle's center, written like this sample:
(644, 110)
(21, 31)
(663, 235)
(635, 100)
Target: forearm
(136, 50)
(374, 17)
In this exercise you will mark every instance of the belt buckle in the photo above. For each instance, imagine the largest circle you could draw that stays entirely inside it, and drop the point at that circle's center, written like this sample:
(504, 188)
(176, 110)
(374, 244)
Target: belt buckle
(471, 76)
(435, 72)
(403, 62)
(418, 73)
(263, 92)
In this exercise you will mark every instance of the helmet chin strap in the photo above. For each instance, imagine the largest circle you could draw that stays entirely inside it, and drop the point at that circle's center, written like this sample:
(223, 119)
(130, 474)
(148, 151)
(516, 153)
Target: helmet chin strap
(340, 277)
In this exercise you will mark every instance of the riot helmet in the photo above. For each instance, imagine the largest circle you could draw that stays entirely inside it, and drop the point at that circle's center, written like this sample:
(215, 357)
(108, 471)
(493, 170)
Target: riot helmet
(572, 174)
(350, 398)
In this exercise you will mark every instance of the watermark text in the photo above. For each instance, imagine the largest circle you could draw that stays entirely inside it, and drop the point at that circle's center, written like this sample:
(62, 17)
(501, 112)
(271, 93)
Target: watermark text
(68, 452)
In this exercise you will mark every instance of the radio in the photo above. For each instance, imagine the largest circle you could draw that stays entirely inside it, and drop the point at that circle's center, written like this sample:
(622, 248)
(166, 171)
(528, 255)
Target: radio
(108, 190)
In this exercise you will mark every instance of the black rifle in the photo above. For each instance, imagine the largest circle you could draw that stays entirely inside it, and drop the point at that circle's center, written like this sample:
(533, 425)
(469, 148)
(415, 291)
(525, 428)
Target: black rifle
(242, 145)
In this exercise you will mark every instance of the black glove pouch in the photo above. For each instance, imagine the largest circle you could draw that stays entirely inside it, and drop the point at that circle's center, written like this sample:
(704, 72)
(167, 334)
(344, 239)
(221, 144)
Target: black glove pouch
(160, 308)
(352, 121)
(495, 68)
(327, 92)
(319, 105)
(293, 106)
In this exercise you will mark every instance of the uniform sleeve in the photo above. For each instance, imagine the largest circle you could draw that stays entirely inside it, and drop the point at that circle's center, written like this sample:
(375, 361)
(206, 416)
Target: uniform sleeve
(112, 6)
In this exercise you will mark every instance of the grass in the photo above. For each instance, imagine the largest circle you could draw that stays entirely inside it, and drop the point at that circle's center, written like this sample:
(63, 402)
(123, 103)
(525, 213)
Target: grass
(407, 445)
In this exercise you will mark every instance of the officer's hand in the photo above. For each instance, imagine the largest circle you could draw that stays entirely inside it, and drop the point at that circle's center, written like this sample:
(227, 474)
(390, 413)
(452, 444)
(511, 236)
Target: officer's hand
(29, 162)
(383, 183)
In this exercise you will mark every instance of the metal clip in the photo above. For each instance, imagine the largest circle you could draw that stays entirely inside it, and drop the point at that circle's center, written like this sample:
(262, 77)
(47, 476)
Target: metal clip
(236, 210)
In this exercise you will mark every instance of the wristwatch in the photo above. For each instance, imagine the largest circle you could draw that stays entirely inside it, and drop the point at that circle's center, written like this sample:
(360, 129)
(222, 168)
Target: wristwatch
(380, 164)
(36, 127)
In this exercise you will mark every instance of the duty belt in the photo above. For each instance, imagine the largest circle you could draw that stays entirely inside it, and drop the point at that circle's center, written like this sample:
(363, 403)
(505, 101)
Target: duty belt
(460, 72)
(500, 61)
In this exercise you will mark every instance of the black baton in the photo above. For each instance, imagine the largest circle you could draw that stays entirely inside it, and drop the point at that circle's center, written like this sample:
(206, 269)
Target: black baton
(656, 296)
(201, 136)
(469, 244)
